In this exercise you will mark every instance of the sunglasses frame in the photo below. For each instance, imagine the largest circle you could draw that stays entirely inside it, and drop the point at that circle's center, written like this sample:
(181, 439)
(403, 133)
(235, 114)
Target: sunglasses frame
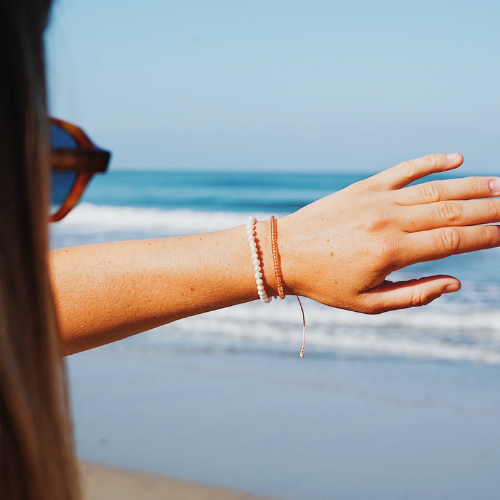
(85, 160)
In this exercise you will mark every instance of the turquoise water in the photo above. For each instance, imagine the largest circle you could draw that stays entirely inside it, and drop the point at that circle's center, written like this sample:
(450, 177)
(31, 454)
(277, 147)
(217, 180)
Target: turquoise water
(212, 192)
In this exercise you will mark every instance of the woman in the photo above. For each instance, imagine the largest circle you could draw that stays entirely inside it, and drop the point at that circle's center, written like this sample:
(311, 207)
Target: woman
(338, 251)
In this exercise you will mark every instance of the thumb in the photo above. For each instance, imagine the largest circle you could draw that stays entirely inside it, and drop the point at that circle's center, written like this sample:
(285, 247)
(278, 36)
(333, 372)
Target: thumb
(389, 296)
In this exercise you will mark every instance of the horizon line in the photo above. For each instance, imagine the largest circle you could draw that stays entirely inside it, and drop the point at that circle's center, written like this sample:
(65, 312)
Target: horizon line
(297, 172)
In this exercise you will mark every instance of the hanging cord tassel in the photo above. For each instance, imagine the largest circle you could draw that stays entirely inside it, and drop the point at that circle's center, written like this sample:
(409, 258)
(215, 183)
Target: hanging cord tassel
(251, 231)
(279, 277)
(303, 329)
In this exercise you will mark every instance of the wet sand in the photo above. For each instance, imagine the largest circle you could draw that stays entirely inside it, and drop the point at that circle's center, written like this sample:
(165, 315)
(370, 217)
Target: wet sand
(107, 483)
(285, 428)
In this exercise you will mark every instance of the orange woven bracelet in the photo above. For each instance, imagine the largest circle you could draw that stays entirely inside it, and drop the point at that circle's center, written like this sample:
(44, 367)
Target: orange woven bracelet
(276, 257)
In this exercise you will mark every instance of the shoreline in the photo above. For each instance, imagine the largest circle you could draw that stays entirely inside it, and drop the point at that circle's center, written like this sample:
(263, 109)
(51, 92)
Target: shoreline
(109, 483)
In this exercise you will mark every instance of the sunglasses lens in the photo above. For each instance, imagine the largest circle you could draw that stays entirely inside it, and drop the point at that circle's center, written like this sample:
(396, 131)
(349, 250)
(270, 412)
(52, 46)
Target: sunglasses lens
(59, 138)
(61, 184)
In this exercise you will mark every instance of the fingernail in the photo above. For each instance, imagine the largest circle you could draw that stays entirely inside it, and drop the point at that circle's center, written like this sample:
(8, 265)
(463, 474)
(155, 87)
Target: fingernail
(451, 289)
(453, 157)
(495, 186)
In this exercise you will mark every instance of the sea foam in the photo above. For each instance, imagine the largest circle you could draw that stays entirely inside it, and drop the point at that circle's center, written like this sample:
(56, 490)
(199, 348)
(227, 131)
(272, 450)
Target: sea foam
(445, 332)
(180, 221)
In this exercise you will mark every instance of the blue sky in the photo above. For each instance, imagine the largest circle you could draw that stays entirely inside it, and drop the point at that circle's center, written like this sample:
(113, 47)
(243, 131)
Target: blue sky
(279, 85)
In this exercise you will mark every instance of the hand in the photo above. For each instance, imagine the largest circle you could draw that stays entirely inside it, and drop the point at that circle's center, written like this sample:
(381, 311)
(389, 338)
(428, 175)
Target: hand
(340, 249)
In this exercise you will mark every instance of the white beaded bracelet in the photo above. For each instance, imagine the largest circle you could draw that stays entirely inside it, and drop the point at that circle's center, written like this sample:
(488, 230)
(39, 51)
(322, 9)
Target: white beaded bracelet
(251, 224)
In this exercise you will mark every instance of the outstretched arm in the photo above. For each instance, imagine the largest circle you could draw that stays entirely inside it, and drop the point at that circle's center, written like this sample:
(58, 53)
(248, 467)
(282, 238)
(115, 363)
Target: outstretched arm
(338, 251)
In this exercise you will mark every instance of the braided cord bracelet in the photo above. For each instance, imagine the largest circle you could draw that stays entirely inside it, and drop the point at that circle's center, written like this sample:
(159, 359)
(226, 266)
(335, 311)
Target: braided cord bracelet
(276, 257)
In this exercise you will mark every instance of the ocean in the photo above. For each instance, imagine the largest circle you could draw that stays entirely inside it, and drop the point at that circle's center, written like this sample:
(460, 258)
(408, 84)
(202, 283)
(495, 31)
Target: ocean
(128, 205)
(404, 405)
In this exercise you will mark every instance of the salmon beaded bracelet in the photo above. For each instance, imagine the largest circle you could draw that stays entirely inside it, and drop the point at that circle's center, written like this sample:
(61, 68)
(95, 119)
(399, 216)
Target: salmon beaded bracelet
(261, 290)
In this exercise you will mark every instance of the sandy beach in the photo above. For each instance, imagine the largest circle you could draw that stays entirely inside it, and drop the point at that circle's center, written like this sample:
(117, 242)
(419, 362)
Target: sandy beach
(108, 483)
(276, 427)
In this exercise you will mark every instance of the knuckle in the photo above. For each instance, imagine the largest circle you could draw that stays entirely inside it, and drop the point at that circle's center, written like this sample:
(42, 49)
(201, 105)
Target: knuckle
(449, 212)
(493, 208)
(407, 170)
(450, 239)
(378, 309)
(359, 186)
(421, 298)
(387, 252)
(371, 306)
(432, 192)
(377, 222)
(432, 162)
(476, 186)
(489, 236)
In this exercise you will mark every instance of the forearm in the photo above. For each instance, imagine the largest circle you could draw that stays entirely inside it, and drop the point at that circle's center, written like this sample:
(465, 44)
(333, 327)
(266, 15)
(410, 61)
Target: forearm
(109, 291)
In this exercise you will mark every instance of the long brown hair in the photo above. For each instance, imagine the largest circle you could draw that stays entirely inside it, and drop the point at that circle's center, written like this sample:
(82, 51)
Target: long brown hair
(37, 458)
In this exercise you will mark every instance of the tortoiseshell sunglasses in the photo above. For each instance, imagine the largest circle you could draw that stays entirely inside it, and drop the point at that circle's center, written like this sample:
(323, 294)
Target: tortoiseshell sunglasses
(74, 160)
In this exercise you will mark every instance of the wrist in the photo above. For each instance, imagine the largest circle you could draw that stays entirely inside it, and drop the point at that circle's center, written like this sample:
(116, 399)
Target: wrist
(263, 239)
(286, 248)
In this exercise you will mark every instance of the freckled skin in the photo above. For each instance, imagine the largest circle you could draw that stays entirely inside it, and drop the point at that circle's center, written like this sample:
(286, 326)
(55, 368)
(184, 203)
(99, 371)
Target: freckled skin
(109, 291)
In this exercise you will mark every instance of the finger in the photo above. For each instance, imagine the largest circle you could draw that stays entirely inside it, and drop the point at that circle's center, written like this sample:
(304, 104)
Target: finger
(403, 294)
(439, 243)
(403, 174)
(451, 189)
(449, 213)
